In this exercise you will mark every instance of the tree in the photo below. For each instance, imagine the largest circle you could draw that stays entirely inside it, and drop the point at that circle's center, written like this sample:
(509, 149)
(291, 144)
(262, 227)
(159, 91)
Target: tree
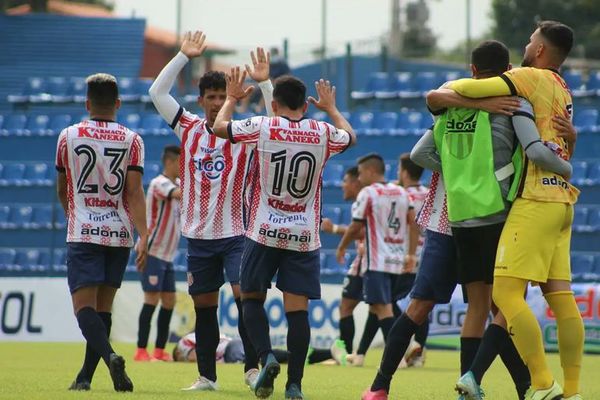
(515, 20)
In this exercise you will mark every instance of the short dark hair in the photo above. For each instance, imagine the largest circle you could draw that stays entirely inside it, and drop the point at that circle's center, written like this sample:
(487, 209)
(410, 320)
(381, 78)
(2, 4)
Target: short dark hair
(352, 171)
(559, 35)
(375, 161)
(290, 92)
(414, 171)
(490, 56)
(102, 90)
(212, 80)
(170, 152)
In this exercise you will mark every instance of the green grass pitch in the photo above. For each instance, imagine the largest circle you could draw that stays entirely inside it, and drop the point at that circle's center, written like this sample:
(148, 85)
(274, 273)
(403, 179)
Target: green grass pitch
(45, 370)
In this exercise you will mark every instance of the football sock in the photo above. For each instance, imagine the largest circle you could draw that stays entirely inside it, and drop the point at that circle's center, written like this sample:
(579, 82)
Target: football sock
(385, 325)
(94, 332)
(347, 332)
(207, 340)
(371, 327)
(162, 333)
(395, 347)
(92, 358)
(298, 339)
(488, 350)
(571, 336)
(144, 325)
(250, 357)
(257, 327)
(523, 328)
(319, 355)
(468, 350)
(514, 364)
(422, 333)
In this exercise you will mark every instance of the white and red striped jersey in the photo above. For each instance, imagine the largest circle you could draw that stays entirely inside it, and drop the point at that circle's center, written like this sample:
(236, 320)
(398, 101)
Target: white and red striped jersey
(418, 194)
(358, 265)
(96, 155)
(434, 213)
(186, 344)
(162, 215)
(213, 180)
(285, 203)
(383, 207)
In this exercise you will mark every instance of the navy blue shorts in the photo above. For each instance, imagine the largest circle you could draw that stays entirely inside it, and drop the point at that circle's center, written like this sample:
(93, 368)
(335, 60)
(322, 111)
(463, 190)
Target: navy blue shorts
(90, 264)
(297, 272)
(353, 287)
(377, 287)
(437, 276)
(403, 286)
(211, 261)
(159, 276)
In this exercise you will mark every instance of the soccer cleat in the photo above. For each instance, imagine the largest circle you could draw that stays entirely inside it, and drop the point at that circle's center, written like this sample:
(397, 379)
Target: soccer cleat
(468, 387)
(80, 386)
(141, 354)
(376, 395)
(121, 381)
(413, 351)
(161, 355)
(554, 392)
(308, 354)
(574, 397)
(264, 382)
(250, 377)
(338, 352)
(293, 392)
(356, 360)
(202, 384)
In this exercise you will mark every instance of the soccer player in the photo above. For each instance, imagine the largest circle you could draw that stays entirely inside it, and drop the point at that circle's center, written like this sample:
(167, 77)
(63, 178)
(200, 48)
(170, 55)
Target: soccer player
(535, 243)
(385, 211)
(100, 165)
(213, 174)
(158, 279)
(352, 293)
(283, 229)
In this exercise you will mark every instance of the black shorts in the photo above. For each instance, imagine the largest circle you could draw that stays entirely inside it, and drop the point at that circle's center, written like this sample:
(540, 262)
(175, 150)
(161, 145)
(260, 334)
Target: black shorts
(378, 286)
(403, 286)
(476, 250)
(353, 287)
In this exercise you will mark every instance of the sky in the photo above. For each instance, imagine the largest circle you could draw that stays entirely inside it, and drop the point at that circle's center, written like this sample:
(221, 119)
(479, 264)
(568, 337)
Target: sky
(244, 24)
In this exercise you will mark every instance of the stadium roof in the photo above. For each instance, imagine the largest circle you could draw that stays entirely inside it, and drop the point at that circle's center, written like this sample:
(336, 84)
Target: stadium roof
(161, 37)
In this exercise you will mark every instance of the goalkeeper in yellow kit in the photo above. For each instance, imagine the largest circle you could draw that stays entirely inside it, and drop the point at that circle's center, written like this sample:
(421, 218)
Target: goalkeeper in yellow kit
(535, 243)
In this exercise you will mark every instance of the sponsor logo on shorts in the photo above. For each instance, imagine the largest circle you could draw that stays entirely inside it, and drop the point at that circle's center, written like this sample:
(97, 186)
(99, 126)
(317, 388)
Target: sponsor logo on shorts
(280, 205)
(105, 232)
(297, 219)
(153, 280)
(282, 235)
(555, 181)
(96, 202)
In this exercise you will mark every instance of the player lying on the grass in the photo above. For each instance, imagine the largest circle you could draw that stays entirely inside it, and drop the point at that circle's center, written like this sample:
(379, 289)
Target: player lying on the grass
(100, 165)
(231, 350)
(213, 182)
(544, 208)
(158, 279)
(283, 229)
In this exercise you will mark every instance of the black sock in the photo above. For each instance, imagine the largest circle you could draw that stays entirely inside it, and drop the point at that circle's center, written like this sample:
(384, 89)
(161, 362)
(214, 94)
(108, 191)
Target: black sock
(347, 332)
(371, 327)
(162, 332)
(398, 340)
(144, 325)
(94, 332)
(385, 325)
(91, 360)
(422, 333)
(282, 356)
(319, 355)
(257, 327)
(468, 350)
(207, 340)
(298, 339)
(487, 352)
(250, 357)
(514, 364)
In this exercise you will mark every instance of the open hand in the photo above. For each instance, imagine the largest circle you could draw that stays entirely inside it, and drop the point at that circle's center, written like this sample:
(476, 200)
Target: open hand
(261, 62)
(340, 255)
(193, 45)
(505, 105)
(326, 225)
(235, 84)
(326, 93)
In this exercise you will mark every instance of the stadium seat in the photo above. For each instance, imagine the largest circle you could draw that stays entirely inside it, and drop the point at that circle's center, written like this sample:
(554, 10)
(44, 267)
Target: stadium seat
(426, 81)
(131, 121)
(37, 174)
(32, 88)
(383, 123)
(581, 265)
(334, 213)
(78, 89)
(594, 220)
(333, 174)
(580, 220)
(322, 259)
(409, 123)
(59, 214)
(60, 260)
(593, 173)
(593, 83)
(393, 85)
(12, 174)
(20, 217)
(7, 257)
(28, 259)
(14, 124)
(42, 217)
(454, 75)
(574, 80)
(142, 87)
(45, 260)
(58, 90)
(333, 267)
(37, 125)
(361, 121)
(404, 85)
(58, 123)
(391, 171)
(586, 120)
(150, 172)
(153, 124)
(128, 90)
(180, 261)
(378, 82)
(579, 176)
(4, 216)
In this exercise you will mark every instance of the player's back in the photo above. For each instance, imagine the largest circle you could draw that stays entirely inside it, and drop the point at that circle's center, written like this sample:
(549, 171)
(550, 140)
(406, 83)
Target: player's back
(96, 156)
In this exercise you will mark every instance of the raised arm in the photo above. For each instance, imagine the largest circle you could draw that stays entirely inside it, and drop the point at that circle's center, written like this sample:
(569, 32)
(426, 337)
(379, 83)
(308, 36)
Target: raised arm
(326, 102)
(478, 88)
(443, 98)
(235, 92)
(261, 62)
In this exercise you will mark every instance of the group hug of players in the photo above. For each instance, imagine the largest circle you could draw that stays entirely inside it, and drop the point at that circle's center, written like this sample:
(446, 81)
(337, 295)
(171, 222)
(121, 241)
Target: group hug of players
(247, 197)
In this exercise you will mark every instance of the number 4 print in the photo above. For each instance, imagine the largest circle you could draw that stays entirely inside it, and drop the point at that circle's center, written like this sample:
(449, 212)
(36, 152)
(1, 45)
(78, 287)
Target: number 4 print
(393, 220)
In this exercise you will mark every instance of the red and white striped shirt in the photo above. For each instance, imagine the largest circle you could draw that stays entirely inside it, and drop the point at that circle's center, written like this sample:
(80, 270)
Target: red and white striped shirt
(162, 214)
(285, 203)
(418, 194)
(383, 207)
(358, 265)
(213, 179)
(434, 213)
(96, 155)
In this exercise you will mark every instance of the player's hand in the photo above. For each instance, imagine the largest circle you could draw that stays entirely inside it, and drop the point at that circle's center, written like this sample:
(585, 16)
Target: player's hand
(326, 93)
(235, 84)
(505, 105)
(340, 255)
(141, 248)
(193, 44)
(565, 130)
(326, 225)
(261, 62)
(410, 263)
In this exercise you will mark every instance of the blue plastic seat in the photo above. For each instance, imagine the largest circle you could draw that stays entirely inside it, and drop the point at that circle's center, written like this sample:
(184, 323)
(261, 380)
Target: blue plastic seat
(333, 174)
(142, 88)
(593, 173)
(128, 89)
(409, 123)
(453, 76)
(150, 172)
(391, 171)
(59, 90)
(426, 81)
(27, 259)
(131, 121)
(30, 92)
(58, 123)
(153, 124)
(180, 261)
(42, 217)
(14, 124)
(20, 217)
(594, 220)
(322, 259)
(378, 82)
(580, 220)
(37, 174)
(579, 176)
(60, 260)
(586, 120)
(7, 258)
(383, 123)
(581, 265)
(44, 260)
(12, 174)
(334, 213)
(4, 216)
(78, 89)
(593, 83)
(61, 220)
(37, 125)
(361, 121)
(574, 80)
